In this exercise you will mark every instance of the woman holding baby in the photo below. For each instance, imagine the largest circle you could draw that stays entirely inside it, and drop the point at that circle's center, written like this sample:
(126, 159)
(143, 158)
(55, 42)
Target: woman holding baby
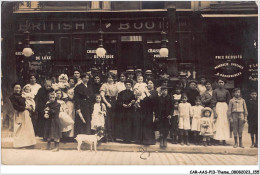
(23, 129)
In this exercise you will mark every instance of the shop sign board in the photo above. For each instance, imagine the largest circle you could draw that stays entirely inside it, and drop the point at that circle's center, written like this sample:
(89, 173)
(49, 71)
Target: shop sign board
(46, 26)
(229, 66)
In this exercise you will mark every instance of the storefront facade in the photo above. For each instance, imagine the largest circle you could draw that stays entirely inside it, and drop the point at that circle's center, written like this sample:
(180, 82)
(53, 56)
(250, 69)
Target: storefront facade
(214, 42)
(69, 40)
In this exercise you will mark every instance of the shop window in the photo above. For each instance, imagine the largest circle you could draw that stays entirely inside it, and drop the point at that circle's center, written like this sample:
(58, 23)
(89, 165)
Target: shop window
(153, 5)
(131, 38)
(66, 5)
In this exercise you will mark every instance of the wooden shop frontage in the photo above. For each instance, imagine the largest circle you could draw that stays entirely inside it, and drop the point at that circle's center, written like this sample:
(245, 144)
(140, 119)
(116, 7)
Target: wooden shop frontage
(63, 41)
(212, 43)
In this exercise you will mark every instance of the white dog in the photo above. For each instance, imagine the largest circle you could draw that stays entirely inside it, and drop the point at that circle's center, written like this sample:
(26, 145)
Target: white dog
(89, 139)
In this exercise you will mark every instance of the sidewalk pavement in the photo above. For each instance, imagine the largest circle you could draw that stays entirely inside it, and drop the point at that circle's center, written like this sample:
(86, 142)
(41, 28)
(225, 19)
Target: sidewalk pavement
(73, 157)
(7, 143)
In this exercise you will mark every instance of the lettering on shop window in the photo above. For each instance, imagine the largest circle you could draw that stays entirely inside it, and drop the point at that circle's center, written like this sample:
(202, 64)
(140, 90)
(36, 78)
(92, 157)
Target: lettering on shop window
(108, 56)
(155, 53)
(229, 70)
(38, 58)
(253, 72)
(229, 57)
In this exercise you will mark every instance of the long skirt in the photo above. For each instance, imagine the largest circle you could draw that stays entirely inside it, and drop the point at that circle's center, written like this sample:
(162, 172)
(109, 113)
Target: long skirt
(148, 136)
(23, 130)
(71, 108)
(110, 119)
(222, 122)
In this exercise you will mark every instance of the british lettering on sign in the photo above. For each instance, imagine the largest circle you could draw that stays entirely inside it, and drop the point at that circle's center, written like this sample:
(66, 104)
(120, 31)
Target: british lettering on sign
(90, 26)
(228, 66)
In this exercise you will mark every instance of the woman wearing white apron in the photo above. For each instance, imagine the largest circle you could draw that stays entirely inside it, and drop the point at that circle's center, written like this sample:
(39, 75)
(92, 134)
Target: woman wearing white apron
(220, 100)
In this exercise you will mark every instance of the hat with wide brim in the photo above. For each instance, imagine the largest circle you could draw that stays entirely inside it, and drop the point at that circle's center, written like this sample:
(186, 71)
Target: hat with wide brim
(128, 81)
(164, 87)
(128, 71)
(192, 81)
(148, 72)
(206, 109)
(138, 70)
(182, 75)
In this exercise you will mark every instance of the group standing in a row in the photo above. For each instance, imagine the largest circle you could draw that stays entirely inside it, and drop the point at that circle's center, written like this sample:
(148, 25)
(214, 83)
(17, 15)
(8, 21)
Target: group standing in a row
(130, 110)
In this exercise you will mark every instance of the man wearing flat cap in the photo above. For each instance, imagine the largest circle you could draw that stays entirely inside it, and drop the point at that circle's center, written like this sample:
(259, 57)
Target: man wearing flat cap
(163, 115)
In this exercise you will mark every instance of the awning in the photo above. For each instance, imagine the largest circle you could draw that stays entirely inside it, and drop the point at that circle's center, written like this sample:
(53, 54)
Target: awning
(228, 15)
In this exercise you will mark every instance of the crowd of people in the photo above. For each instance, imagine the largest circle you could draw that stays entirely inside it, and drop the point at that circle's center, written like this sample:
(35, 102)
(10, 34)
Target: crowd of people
(131, 110)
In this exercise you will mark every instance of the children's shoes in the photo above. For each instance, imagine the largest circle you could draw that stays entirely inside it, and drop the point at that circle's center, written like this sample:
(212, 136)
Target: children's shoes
(235, 145)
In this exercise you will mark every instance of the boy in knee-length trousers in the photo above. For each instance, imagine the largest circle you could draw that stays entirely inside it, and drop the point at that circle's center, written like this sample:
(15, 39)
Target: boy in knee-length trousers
(237, 112)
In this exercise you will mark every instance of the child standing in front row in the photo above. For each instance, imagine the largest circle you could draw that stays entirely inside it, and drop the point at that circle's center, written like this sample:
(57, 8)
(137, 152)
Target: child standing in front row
(174, 123)
(237, 112)
(52, 123)
(206, 125)
(253, 118)
(184, 120)
(98, 115)
(196, 116)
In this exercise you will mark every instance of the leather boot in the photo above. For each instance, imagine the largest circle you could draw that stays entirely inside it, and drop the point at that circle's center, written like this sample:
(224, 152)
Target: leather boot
(240, 143)
(182, 143)
(187, 140)
(165, 142)
(161, 142)
(48, 146)
(172, 139)
(235, 145)
(57, 147)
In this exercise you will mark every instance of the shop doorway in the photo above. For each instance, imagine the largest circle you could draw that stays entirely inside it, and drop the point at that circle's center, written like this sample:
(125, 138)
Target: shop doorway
(131, 55)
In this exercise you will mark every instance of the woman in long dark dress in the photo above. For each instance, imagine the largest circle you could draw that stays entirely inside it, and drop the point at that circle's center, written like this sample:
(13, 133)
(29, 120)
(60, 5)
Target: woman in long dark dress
(84, 97)
(148, 106)
(23, 128)
(41, 99)
(125, 109)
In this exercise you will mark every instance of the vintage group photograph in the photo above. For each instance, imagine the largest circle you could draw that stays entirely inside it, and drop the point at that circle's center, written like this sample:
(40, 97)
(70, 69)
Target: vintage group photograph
(129, 83)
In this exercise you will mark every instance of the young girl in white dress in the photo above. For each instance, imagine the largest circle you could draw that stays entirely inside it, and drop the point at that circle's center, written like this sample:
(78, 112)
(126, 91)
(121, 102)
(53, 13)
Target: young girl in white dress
(206, 125)
(65, 120)
(185, 112)
(196, 116)
(98, 114)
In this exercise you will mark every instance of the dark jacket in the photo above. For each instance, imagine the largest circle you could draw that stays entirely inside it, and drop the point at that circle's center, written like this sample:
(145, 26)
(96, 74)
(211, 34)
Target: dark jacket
(18, 102)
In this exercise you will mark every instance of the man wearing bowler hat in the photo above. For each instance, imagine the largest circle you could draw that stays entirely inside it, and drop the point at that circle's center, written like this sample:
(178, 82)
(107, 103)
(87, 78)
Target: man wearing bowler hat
(148, 75)
(130, 75)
